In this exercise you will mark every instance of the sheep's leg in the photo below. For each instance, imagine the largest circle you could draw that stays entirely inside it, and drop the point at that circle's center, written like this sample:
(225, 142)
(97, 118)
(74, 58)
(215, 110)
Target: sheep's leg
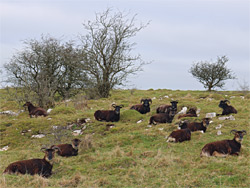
(217, 154)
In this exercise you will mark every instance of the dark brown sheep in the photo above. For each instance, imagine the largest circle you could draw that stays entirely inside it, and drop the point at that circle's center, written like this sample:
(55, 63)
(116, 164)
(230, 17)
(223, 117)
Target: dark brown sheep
(179, 135)
(224, 147)
(67, 150)
(42, 167)
(35, 111)
(195, 126)
(227, 109)
(108, 115)
(162, 117)
(144, 107)
(191, 113)
(166, 108)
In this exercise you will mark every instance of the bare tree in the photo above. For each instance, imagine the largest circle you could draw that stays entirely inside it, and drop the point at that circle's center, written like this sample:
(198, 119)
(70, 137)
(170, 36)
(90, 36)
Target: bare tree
(212, 74)
(107, 50)
(44, 68)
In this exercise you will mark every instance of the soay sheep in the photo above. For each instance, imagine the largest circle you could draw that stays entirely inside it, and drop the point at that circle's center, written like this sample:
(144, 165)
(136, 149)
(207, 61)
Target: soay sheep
(166, 108)
(179, 135)
(227, 109)
(195, 126)
(35, 111)
(42, 167)
(191, 113)
(163, 117)
(224, 147)
(144, 107)
(67, 150)
(109, 115)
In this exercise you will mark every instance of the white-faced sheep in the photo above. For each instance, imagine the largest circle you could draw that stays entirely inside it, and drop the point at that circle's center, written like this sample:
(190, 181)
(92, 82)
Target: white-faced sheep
(224, 147)
(109, 115)
(144, 107)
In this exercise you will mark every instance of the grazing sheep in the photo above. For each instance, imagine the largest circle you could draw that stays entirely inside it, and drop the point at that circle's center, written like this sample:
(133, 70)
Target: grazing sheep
(166, 108)
(224, 147)
(144, 107)
(41, 167)
(227, 109)
(195, 126)
(67, 150)
(179, 135)
(35, 111)
(162, 117)
(108, 115)
(191, 113)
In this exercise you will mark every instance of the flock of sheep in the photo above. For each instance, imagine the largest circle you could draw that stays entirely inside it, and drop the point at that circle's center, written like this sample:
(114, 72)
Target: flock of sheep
(164, 114)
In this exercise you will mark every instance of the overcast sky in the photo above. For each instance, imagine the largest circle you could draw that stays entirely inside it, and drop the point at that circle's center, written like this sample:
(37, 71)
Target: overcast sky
(180, 33)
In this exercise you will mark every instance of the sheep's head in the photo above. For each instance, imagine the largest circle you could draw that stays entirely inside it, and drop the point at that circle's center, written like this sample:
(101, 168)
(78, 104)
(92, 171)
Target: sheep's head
(117, 108)
(238, 135)
(174, 104)
(223, 103)
(27, 104)
(75, 143)
(206, 121)
(50, 153)
(146, 102)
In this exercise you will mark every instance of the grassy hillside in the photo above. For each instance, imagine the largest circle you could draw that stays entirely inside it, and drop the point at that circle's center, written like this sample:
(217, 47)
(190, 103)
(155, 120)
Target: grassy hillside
(130, 154)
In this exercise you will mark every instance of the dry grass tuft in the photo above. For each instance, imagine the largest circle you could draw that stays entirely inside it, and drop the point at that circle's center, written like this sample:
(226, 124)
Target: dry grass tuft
(87, 142)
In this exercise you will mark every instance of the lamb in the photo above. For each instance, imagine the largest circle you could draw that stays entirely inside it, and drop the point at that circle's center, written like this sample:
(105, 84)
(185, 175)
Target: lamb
(166, 108)
(224, 148)
(67, 150)
(144, 107)
(195, 126)
(191, 113)
(179, 135)
(41, 167)
(109, 115)
(227, 109)
(162, 117)
(35, 111)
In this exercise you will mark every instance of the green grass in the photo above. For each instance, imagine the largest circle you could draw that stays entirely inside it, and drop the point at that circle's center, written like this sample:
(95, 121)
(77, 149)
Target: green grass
(130, 154)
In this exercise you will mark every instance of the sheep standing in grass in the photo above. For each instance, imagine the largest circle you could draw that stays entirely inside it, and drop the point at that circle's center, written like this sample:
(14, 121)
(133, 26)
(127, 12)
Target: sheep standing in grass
(224, 147)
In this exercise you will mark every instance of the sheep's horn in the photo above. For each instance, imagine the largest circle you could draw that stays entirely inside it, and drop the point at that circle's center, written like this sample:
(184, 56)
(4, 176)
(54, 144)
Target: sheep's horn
(121, 105)
(43, 148)
(56, 148)
(150, 100)
(245, 132)
(114, 105)
(227, 101)
(233, 131)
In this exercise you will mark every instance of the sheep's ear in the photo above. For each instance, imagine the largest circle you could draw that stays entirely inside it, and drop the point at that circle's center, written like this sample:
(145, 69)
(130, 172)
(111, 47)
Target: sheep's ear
(121, 105)
(244, 132)
(142, 100)
(150, 100)
(114, 105)
(233, 131)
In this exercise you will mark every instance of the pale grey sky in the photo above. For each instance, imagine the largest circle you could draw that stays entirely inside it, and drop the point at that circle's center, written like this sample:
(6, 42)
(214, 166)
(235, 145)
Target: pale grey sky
(180, 33)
